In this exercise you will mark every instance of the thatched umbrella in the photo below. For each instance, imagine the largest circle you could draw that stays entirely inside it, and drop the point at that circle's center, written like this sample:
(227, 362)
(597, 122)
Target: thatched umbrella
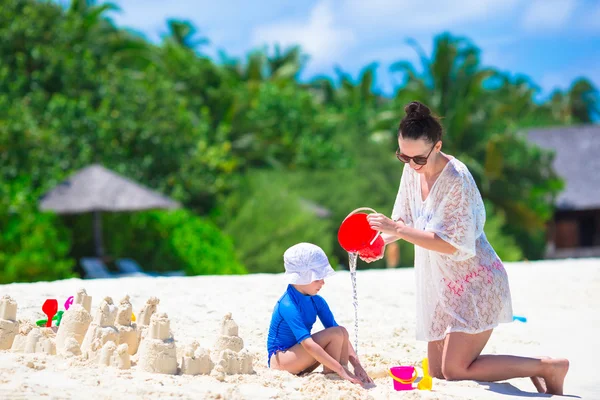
(96, 189)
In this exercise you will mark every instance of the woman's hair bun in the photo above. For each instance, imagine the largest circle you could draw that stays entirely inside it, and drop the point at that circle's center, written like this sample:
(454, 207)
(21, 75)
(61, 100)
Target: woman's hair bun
(416, 110)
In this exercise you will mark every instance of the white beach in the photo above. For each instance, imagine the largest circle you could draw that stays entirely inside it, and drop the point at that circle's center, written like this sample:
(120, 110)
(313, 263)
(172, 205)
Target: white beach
(560, 299)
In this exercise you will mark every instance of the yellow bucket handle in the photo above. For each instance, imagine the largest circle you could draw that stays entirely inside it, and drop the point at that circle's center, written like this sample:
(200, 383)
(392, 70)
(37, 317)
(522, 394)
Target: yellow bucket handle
(402, 381)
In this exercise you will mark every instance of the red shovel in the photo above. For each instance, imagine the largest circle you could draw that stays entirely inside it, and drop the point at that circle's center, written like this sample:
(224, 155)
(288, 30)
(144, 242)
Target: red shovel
(50, 308)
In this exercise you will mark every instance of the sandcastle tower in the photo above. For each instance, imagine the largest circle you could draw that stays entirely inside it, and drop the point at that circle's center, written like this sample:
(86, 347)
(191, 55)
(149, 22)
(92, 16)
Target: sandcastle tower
(70, 348)
(145, 315)
(25, 327)
(232, 363)
(229, 338)
(196, 361)
(121, 358)
(74, 323)
(9, 327)
(232, 359)
(112, 355)
(40, 340)
(101, 330)
(127, 331)
(82, 298)
(157, 352)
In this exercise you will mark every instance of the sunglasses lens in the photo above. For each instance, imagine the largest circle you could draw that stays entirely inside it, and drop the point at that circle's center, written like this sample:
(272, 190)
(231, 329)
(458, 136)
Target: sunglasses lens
(403, 158)
(420, 160)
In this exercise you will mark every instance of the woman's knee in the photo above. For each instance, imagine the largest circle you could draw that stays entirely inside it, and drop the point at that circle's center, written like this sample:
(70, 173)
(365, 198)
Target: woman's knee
(452, 372)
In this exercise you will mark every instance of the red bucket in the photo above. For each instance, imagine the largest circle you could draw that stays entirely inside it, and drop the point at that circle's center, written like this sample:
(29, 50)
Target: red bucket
(356, 236)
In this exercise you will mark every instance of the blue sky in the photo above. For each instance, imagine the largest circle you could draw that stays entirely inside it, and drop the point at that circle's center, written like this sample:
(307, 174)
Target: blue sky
(551, 41)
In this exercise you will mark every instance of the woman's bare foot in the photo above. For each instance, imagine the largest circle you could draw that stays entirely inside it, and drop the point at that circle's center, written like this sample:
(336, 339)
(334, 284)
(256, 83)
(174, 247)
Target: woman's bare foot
(539, 383)
(554, 375)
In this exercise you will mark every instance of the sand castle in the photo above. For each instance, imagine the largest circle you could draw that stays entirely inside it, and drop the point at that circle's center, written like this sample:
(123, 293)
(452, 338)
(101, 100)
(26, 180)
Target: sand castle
(113, 356)
(232, 359)
(32, 339)
(70, 348)
(101, 330)
(232, 363)
(196, 361)
(144, 316)
(157, 351)
(229, 338)
(25, 327)
(128, 333)
(38, 340)
(82, 298)
(9, 326)
(121, 358)
(110, 339)
(74, 324)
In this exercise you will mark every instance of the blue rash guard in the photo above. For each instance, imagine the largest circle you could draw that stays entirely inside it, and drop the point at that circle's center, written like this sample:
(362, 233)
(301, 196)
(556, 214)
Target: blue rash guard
(293, 318)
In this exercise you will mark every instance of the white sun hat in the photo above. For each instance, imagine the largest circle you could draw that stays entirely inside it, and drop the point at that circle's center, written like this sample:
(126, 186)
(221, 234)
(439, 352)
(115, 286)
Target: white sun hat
(305, 263)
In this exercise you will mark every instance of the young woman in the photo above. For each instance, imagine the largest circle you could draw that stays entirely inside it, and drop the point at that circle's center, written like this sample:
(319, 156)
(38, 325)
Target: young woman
(462, 287)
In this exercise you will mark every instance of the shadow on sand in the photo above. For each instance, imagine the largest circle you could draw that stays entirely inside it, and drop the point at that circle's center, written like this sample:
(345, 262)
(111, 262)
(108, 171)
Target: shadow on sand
(510, 390)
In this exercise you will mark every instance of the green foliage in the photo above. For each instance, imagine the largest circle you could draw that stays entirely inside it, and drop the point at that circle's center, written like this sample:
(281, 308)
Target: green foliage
(163, 241)
(33, 246)
(505, 245)
(268, 220)
(75, 89)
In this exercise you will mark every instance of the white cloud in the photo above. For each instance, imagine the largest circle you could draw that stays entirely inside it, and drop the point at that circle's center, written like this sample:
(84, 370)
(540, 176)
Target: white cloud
(430, 16)
(547, 14)
(319, 36)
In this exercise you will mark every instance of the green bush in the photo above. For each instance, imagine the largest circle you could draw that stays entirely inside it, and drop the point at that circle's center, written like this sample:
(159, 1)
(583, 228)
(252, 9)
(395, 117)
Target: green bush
(33, 246)
(161, 241)
(505, 245)
(270, 218)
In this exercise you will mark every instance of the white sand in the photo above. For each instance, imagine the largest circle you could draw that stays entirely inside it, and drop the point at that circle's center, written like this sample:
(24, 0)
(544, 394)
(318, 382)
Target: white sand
(560, 299)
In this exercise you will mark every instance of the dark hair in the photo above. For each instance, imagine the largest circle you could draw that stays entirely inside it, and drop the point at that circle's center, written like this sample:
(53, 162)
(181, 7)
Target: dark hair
(418, 123)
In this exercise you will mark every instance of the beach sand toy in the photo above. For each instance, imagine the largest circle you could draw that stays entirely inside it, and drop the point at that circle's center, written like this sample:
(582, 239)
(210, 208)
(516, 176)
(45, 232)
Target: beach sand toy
(57, 318)
(69, 302)
(50, 307)
(356, 236)
(403, 377)
(427, 382)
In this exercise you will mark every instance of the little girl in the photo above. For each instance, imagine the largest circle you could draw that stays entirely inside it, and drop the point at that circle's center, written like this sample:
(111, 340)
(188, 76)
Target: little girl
(291, 345)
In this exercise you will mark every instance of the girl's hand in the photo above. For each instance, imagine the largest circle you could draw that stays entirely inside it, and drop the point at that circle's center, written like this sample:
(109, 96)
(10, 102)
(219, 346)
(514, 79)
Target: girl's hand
(347, 375)
(362, 374)
(383, 224)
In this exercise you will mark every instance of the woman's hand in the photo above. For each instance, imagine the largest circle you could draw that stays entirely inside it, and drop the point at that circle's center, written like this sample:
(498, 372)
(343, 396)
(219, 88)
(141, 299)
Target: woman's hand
(383, 224)
(373, 259)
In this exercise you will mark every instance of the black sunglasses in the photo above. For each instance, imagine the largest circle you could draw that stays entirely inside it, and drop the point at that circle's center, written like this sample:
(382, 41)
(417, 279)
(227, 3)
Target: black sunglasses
(419, 160)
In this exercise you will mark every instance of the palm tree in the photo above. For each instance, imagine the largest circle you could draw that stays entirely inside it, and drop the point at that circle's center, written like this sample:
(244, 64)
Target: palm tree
(182, 33)
(584, 101)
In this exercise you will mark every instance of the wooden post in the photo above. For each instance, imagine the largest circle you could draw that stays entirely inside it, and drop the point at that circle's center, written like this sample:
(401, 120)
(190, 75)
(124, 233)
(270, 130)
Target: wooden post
(98, 234)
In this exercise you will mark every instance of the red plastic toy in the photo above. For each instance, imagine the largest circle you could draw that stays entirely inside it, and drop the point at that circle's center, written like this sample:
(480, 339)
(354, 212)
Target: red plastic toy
(50, 308)
(356, 236)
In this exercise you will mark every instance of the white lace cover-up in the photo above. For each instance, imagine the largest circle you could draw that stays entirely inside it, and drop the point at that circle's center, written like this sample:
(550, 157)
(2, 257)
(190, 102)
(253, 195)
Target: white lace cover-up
(467, 291)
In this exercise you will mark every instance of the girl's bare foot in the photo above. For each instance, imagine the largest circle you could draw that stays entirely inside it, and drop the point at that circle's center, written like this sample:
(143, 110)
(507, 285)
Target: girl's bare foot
(554, 375)
(539, 383)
